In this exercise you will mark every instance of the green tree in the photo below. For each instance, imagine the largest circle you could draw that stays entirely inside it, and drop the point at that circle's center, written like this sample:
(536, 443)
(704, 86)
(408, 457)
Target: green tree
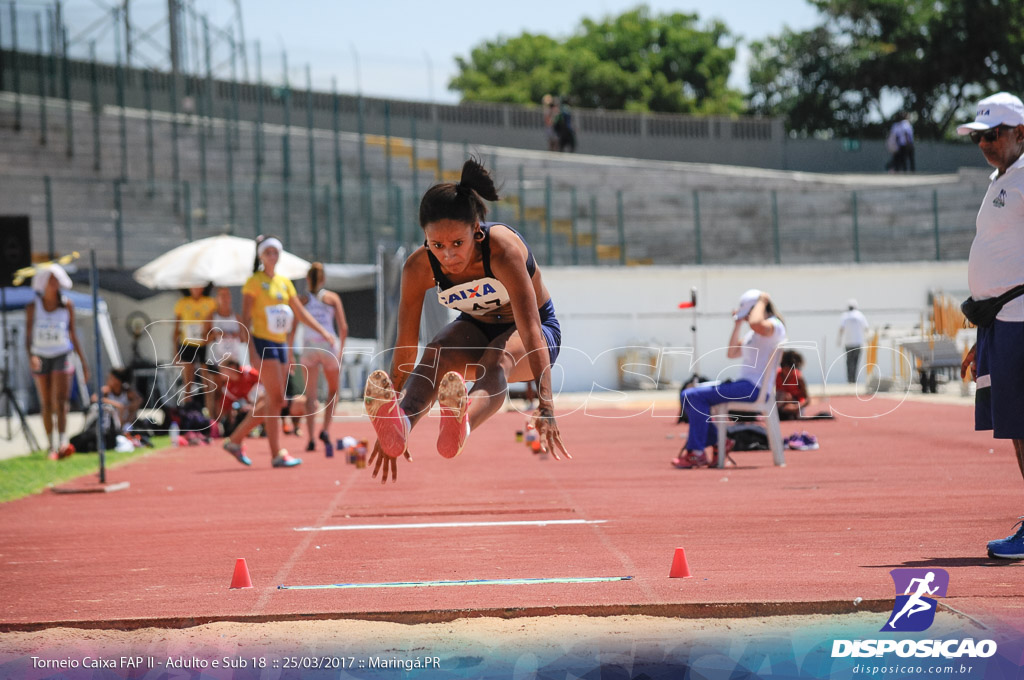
(636, 61)
(931, 57)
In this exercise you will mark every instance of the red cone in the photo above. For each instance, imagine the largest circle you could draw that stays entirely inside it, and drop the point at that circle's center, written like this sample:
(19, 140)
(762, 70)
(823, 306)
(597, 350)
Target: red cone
(680, 569)
(241, 577)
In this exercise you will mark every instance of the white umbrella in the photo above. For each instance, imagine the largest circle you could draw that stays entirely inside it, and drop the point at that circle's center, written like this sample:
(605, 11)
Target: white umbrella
(220, 260)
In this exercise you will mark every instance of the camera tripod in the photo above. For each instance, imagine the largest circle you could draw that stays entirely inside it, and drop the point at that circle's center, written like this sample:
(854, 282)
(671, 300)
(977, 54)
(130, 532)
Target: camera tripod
(6, 393)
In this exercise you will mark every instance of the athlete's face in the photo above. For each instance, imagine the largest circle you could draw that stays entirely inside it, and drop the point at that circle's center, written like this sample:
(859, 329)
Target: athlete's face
(269, 258)
(452, 243)
(52, 287)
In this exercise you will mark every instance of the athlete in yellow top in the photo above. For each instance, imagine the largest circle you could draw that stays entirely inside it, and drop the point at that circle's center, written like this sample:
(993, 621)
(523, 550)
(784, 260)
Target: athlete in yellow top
(269, 306)
(192, 314)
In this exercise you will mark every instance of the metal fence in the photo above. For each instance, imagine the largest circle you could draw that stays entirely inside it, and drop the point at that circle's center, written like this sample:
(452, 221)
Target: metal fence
(131, 222)
(123, 159)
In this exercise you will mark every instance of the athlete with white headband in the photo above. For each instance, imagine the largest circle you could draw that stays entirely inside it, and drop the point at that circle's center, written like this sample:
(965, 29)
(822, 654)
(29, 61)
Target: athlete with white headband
(269, 307)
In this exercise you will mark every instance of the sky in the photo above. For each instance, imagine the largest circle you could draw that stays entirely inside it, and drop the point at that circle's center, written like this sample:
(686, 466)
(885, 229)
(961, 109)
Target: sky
(406, 49)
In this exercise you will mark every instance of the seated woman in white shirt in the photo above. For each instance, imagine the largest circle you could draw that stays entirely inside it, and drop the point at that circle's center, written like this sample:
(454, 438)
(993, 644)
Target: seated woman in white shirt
(756, 348)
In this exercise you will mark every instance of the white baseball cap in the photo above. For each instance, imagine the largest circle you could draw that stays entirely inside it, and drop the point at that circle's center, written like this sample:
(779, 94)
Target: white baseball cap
(1001, 108)
(42, 277)
(747, 302)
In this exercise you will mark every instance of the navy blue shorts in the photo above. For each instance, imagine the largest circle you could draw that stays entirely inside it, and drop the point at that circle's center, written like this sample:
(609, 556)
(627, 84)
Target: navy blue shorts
(999, 399)
(549, 326)
(270, 350)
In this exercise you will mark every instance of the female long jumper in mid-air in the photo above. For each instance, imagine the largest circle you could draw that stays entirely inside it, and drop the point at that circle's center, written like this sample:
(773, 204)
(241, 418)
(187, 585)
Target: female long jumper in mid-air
(506, 330)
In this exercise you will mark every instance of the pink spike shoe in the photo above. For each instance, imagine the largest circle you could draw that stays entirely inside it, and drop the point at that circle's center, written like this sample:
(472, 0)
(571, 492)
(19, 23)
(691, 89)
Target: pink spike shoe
(389, 422)
(454, 402)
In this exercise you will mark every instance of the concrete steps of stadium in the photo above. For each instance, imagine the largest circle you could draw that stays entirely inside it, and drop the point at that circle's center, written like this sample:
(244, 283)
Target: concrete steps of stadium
(735, 207)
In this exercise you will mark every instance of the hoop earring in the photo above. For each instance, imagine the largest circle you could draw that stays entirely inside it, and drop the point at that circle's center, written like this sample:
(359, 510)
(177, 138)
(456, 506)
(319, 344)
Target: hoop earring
(478, 235)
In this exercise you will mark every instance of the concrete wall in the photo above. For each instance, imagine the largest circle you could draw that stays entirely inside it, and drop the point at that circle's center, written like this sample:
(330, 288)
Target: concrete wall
(608, 313)
(605, 310)
(817, 155)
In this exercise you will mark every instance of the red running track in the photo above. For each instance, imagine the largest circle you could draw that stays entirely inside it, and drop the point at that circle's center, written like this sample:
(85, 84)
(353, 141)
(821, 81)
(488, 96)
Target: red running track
(913, 487)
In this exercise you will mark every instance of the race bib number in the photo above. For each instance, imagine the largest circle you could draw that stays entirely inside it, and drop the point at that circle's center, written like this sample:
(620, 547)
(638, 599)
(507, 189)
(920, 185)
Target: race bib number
(49, 335)
(279, 319)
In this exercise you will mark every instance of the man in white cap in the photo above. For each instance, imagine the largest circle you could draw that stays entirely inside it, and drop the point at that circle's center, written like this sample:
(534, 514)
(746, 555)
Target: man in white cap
(996, 266)
(852, 326)
(756, 348)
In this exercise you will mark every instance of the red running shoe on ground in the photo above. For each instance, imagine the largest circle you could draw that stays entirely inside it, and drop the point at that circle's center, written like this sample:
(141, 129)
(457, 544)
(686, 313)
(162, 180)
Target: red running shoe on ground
(386, 416)
(692, 459)
(454, 402)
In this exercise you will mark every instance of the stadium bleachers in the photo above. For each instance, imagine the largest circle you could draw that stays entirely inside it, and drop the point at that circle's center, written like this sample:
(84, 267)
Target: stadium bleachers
(245, 179)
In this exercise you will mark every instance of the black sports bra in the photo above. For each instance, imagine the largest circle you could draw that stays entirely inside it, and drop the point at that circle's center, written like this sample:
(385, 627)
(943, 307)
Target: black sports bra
(487, 298)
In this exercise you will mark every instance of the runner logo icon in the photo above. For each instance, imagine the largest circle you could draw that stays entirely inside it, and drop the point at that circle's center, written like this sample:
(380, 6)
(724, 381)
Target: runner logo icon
(914, 610)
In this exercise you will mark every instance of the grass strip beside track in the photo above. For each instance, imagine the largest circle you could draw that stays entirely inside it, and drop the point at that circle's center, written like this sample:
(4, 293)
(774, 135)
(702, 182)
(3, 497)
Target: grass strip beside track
(25, 475)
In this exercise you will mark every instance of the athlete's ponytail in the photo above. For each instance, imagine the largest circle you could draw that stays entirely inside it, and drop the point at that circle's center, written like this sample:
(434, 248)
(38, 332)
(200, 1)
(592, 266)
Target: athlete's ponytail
(315, 275)
(462, 201)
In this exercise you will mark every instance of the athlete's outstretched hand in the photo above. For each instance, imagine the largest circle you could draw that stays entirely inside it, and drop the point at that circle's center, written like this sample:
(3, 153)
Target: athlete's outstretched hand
(543, 420)
(389, 464)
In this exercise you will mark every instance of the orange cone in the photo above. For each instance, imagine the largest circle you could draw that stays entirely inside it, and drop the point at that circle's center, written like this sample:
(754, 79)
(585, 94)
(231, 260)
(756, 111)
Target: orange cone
(241, 577)
(680, 569)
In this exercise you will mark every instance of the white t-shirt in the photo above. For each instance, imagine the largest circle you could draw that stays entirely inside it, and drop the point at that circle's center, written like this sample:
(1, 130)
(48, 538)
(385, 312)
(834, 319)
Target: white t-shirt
(230, 342)
(853, 324)
(996, 262)
(51, 336)
(904, 132)
(324, 315)
(757, 351)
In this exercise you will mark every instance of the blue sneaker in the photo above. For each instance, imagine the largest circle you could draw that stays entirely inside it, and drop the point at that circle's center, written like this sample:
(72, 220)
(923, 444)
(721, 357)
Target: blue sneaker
(238, 451)
(284, 460)
(1011, 547)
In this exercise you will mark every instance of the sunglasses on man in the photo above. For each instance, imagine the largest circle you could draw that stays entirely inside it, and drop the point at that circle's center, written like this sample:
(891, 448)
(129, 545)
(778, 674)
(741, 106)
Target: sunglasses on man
(989, 136)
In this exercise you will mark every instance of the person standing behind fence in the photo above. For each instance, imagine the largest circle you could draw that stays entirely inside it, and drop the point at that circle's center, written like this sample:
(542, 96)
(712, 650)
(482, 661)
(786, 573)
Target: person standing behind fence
(550, 109)
(49, 340)
(565, 129)
(852, 327)
(319, 352)
(901, 142)
(269, 306)
(995, 266)
(906, 140)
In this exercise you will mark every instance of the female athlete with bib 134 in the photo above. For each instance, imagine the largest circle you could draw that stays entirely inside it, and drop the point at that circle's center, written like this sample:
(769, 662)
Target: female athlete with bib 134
(506, 331)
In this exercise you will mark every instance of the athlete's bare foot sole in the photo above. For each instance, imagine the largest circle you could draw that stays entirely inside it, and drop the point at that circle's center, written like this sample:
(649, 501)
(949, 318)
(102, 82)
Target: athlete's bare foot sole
(389, 422)
(454, 402)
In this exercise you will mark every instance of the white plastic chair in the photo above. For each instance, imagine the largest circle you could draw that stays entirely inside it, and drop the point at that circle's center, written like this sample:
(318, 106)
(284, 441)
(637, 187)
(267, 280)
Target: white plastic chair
(764, 406)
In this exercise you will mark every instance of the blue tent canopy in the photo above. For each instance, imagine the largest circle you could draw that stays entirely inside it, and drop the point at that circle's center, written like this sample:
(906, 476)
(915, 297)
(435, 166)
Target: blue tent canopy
(18, 298)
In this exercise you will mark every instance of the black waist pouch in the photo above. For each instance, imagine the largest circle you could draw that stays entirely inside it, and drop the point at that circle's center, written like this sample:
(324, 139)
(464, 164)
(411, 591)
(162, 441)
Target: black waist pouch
(982, 313)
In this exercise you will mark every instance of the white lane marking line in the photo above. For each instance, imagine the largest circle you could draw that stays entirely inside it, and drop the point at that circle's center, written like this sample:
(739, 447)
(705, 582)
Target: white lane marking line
(445, 525)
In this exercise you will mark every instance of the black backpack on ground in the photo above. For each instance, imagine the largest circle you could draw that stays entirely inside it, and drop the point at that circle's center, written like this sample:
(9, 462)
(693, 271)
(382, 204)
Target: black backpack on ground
(85, 441)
